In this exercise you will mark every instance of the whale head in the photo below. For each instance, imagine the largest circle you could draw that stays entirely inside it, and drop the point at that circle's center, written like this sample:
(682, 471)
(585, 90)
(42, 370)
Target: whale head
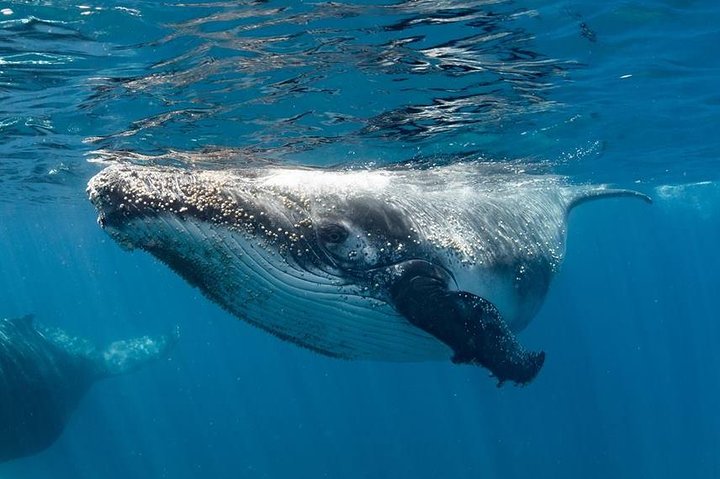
(335, 227)
(296, 252)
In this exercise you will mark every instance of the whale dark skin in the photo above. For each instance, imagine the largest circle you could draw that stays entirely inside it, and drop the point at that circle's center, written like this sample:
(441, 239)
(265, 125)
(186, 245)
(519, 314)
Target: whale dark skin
(44, 373)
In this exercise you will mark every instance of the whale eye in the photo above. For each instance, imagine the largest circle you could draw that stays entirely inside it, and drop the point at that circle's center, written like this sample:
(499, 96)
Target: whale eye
(333, 233)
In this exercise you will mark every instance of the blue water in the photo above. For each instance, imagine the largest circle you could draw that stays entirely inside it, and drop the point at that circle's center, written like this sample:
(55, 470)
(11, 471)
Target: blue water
(624, 92)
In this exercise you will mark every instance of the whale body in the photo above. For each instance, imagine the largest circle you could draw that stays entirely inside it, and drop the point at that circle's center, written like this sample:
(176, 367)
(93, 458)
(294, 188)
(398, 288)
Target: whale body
(44, 373)
(396, 264)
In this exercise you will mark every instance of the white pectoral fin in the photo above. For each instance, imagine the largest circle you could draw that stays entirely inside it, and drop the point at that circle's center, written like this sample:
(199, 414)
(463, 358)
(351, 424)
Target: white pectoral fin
(128, 355)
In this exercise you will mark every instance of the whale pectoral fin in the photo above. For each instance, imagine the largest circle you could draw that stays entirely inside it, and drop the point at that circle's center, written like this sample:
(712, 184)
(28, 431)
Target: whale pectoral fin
(467, 323)
(124, 356)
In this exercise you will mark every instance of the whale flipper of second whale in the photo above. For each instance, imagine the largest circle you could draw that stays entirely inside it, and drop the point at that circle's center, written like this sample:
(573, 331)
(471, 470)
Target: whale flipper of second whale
(44, 373)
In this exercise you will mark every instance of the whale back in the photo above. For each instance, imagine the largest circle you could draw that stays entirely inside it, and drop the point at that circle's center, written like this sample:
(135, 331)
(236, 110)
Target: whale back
(500, 233)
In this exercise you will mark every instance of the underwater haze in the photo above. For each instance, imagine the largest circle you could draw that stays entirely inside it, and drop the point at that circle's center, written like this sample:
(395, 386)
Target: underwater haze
(623, 93)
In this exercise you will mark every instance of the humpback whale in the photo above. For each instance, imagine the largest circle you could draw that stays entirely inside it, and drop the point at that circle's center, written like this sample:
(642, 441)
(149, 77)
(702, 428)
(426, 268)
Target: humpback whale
(44, 373)
(396, 263)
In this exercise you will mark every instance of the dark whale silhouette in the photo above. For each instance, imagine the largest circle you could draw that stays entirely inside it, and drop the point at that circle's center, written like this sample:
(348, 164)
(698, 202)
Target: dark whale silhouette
(397, 263)
(45, 372)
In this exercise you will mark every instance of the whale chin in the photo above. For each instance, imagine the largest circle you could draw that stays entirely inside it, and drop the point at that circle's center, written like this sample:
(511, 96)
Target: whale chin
(249, 272)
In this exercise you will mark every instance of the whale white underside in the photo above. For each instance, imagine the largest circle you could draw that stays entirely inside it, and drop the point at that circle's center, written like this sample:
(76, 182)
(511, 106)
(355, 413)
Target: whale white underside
(251, 280)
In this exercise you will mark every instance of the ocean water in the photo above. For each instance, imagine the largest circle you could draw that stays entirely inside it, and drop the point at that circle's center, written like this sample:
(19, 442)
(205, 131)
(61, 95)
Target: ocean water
(625, 93)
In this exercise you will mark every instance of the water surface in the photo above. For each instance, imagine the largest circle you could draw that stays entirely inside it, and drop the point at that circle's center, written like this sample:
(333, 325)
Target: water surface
(624, 93)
